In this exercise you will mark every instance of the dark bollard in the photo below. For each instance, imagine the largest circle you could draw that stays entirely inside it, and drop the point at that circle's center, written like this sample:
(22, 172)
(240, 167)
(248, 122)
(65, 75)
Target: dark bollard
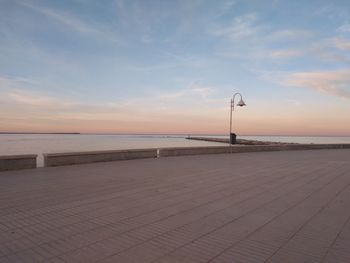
(233, 137)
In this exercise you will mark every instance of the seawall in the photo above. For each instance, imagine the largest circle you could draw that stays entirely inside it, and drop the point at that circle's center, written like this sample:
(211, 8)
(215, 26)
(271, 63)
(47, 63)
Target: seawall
(16, 162)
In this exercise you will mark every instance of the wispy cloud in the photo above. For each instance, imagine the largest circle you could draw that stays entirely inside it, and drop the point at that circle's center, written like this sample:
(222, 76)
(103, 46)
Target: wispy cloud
(324, 49)
(286, 53)
(252, 39)
(327, 50)
(74, 23)
(30, 99)
(228, 4)
(263, 54)
(249, 26)
(12, 82)
(344, 28)
(24, 93)
(335, 83)
(202, 91)
(18, 102)
(241, 27)
(33, 105)
(288, 35)
(342, 43)
(193, 92)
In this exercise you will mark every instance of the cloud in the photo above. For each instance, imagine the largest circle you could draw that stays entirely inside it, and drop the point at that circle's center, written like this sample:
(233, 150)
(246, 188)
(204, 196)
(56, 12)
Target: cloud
(286, 53)
(228, 4)
(30, 105)
(193, 92)
(201, 91)
(263, 54)
(247, 25)
(344, 28)
(241, 27)
(74, 23)
(288, 35)
(252, 39)
(329, 50)
(30, 99)
(335, 83)
(19, 101)
(332, 56)
(8, 82)
(342, 43)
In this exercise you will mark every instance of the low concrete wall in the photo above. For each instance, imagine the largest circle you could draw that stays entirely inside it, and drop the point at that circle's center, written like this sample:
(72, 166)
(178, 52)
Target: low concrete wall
(17, 162)
(57, 159)
(316, 146)
(164, 152)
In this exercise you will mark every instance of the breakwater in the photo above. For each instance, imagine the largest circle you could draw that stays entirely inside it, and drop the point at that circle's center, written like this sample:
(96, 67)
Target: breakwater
(239, 141)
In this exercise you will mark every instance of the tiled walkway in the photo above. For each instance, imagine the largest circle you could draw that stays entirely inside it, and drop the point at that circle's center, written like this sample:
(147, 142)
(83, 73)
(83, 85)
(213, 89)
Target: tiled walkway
(252, 207)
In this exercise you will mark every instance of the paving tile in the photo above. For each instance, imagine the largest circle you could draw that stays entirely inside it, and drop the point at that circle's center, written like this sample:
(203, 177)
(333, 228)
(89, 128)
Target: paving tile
(250, 207)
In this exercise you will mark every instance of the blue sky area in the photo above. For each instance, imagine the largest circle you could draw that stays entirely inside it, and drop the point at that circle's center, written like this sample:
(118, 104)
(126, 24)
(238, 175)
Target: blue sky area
(136, 66)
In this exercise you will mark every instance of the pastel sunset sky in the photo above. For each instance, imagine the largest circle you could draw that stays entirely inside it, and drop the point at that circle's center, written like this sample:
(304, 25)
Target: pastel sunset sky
(172, 66)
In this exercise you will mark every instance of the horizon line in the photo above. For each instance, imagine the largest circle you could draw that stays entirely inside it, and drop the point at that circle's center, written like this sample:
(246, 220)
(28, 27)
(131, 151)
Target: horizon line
(183, 134)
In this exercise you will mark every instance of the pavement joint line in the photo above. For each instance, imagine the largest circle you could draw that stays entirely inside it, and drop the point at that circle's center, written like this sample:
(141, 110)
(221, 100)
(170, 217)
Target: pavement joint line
(237, 219)
(75, 206)
(172, 229)
(320, 210)
(162, 219)
(335, 240)
(205, 217)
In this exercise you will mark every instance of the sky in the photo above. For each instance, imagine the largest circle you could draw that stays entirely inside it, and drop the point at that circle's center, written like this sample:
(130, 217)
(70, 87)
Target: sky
(172, 66)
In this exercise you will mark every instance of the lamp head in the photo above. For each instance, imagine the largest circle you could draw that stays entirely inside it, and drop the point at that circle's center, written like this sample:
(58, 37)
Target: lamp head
(241, 103)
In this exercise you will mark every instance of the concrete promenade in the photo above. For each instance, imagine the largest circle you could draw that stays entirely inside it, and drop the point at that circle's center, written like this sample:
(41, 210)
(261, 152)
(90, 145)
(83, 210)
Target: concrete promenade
(286, 206)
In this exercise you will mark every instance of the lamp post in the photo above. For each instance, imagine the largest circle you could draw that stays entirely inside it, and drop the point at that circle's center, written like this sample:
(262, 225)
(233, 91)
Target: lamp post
(232, 107)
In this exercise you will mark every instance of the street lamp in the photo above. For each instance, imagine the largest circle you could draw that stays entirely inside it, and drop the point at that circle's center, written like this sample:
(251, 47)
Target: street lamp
(241, 103)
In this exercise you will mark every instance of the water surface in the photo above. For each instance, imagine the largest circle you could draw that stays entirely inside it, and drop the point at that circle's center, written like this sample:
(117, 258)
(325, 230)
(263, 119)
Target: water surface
(56, 143)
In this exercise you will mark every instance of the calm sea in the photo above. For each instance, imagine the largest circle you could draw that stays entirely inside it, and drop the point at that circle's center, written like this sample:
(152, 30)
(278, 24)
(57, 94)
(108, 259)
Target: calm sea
(55, 143)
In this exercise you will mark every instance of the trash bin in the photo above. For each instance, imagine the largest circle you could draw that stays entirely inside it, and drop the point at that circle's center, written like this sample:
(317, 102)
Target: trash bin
(233, 137)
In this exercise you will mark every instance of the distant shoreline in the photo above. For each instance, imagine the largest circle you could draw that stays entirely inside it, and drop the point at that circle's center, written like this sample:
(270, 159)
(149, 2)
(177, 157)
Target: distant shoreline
(68, 133)
(176, 134)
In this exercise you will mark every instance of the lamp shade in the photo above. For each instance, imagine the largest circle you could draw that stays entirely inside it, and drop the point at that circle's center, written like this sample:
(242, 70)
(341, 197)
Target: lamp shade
(241, 103)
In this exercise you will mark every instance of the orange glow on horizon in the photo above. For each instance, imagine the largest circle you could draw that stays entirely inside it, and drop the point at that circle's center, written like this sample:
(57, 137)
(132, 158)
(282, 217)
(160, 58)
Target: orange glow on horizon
(242, 127)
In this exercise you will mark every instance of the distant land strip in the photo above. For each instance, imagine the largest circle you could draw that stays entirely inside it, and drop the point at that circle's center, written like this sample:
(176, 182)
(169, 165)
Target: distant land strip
(39, 132)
